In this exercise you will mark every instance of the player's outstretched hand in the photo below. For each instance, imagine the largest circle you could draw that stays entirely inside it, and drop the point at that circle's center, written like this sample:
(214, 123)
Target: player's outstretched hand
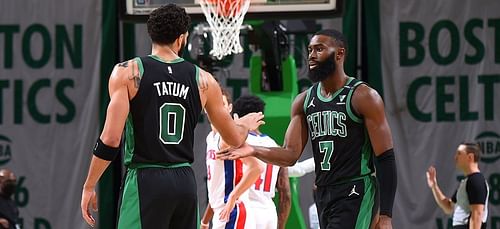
(224, 214)
(235, 153)
(4, 223)
(252, 120)
(89, 199)
(384, 222)
(431, 176)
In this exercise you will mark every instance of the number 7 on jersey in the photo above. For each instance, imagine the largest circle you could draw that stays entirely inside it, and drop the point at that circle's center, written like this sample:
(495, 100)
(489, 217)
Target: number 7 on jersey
(326, 147)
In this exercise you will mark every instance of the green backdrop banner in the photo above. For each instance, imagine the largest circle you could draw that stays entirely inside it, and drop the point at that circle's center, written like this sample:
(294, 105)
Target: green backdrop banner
(441, 78)
(49, 103)
(436, 64)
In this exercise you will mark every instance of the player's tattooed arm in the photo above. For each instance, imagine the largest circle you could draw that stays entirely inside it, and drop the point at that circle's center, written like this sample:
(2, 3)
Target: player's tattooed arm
(135, 76)
(203, 80)
(284, 203)
(134, 72)
(123, 64)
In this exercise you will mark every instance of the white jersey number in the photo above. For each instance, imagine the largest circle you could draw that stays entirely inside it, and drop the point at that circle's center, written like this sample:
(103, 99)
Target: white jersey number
(326, 147)
(172, 119)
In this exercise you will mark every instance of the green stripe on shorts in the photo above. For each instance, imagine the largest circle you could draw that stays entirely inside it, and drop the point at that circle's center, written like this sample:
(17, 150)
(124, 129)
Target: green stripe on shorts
(130, 212)
(365, 212)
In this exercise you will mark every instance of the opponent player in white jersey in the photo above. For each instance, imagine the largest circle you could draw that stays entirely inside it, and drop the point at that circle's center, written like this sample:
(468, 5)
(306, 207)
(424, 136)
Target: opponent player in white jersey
(273, 177)
(227, 184)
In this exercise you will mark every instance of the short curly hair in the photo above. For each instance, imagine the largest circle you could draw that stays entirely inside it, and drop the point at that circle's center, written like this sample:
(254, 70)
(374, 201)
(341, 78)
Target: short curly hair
(166, 23)
(248, 104)
(337, 37)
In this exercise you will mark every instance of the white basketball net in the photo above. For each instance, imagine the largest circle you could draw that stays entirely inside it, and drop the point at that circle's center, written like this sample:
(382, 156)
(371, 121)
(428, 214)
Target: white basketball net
(225, 18)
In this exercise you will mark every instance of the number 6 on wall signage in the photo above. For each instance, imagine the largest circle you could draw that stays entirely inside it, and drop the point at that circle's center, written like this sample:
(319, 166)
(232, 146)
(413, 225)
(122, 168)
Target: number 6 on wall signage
(172, 119)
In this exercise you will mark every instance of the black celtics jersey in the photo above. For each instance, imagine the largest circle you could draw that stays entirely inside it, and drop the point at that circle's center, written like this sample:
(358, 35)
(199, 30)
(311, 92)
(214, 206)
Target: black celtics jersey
(340, 143)
(164, 113)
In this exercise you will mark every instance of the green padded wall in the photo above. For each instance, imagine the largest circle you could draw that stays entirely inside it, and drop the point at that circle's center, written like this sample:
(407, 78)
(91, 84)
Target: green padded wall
(277, 117)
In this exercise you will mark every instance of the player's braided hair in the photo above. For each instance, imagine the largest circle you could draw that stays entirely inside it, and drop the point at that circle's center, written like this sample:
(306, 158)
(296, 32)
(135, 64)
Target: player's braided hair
(167, 23)
(248, 104)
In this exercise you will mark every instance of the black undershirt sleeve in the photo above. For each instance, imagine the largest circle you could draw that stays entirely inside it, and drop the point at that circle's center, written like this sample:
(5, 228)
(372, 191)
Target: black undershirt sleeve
(476, 189)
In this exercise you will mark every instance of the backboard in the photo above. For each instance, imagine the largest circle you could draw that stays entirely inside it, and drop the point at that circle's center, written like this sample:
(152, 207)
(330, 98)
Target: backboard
(138, 10)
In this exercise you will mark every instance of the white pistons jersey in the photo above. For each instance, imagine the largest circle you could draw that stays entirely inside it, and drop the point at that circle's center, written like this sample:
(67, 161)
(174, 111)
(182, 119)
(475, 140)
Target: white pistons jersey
(222, 175)
(262, 192)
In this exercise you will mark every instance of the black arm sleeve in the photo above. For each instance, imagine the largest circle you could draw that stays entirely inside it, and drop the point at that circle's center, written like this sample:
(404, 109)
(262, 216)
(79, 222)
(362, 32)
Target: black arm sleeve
(387, 178)
(476, 189)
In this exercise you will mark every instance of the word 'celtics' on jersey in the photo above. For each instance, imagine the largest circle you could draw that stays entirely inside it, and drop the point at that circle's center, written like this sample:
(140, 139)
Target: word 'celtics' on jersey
(340, 143)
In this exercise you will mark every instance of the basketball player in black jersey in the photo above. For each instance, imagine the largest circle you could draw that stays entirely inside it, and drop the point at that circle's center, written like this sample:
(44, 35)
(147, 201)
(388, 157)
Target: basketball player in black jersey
(346, 122)
(158, 99)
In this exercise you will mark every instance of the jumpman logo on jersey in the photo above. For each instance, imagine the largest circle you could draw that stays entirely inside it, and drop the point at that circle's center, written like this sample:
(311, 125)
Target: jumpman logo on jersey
(353, 191)
(311, 103)
(169, 70)
(341, 97)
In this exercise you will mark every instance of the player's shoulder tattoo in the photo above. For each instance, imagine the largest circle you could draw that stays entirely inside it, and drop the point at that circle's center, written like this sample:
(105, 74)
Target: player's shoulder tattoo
(123, 64)
(135, 76)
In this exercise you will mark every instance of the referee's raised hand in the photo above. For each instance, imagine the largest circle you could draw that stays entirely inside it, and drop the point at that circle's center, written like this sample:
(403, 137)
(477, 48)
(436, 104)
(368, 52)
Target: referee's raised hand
(431, 176)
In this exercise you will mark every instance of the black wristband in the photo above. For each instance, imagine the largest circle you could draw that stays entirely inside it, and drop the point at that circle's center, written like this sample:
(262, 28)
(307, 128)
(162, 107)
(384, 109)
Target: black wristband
(387, 179)
(104, 151)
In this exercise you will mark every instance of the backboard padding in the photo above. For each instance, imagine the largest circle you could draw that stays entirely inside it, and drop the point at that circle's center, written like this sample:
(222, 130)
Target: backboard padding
(138, 10)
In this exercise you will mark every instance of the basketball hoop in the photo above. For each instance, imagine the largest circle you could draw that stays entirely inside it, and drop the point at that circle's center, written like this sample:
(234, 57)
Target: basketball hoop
(225, 18)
